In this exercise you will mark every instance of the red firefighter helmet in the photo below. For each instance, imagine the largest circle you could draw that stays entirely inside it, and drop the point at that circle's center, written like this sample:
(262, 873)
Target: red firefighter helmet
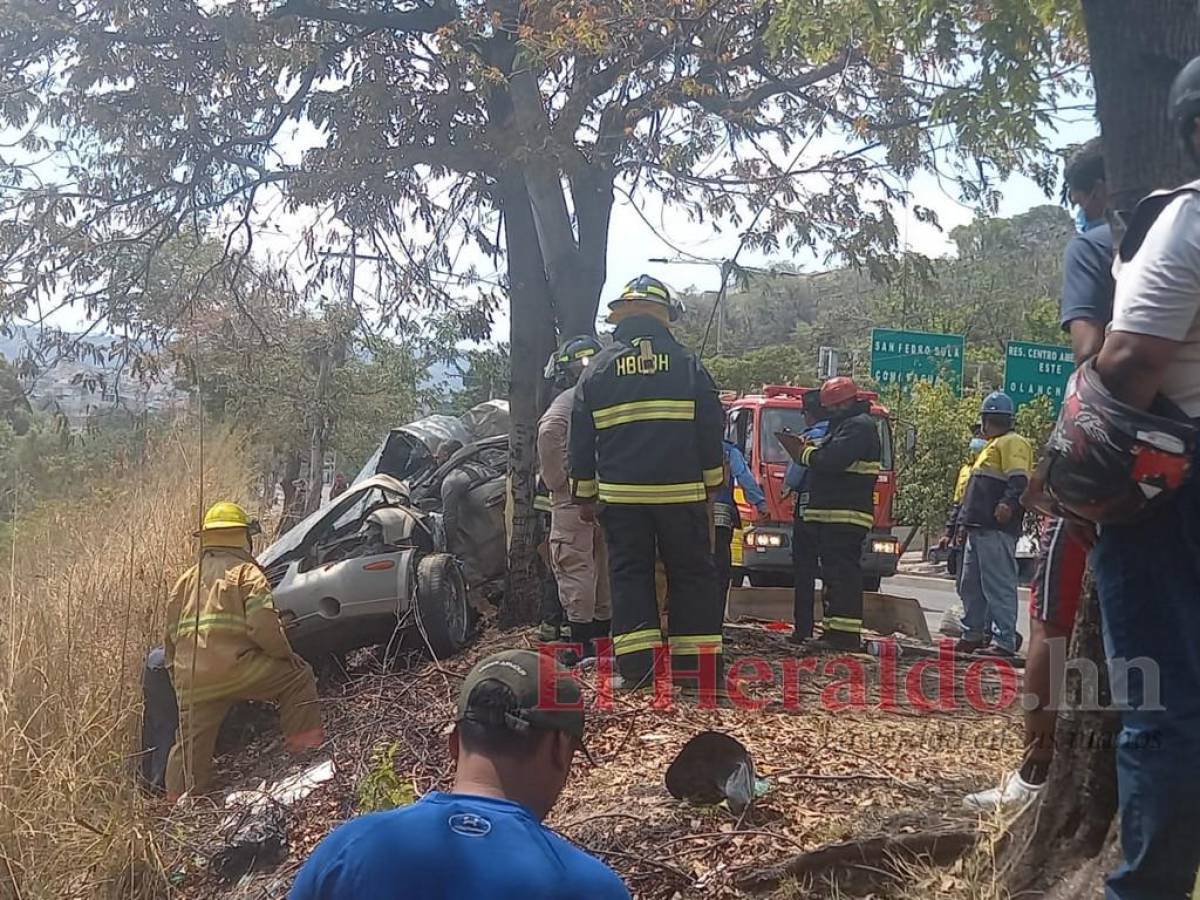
(838, 390)
(1107, 462)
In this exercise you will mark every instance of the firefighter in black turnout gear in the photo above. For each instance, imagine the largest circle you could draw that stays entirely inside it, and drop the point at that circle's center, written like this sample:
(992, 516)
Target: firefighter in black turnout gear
(843, 467)
(645, 445)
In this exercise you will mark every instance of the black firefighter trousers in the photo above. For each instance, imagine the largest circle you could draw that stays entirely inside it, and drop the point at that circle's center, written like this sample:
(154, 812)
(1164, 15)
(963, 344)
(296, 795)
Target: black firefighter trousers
(834, 550)
(680, 533)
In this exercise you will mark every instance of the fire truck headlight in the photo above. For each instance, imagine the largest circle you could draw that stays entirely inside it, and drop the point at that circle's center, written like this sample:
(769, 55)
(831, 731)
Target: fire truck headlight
(764, 539)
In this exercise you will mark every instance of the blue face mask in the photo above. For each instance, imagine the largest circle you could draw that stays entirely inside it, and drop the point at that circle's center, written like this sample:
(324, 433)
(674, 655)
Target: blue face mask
(977, 444)
(1083, 223)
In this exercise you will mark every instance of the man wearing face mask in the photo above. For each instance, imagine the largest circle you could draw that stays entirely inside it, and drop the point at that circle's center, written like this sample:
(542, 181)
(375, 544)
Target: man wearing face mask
(1057, 586)
(1087, 294)
(955, 536)
(992, 515)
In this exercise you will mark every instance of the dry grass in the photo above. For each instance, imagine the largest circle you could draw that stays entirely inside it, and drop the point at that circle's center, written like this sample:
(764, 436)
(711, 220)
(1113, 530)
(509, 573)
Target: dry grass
(82, 595)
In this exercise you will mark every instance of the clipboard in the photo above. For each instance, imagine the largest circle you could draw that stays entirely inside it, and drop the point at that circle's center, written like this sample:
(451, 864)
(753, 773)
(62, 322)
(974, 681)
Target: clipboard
(793, 443)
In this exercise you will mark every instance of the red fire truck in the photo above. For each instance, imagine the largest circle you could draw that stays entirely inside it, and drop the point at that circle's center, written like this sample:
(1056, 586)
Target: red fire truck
(762, 549)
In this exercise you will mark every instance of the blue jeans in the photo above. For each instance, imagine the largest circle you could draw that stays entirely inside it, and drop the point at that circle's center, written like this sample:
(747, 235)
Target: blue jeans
(988, 587)
(1148, 578)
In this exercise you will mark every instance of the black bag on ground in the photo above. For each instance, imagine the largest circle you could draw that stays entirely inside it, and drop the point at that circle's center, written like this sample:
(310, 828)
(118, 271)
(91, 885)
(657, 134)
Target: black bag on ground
(160, 720)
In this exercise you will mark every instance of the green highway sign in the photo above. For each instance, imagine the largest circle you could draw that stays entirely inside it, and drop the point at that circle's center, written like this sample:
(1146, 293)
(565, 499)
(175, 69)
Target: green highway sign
(902, 357)
(1032, 370)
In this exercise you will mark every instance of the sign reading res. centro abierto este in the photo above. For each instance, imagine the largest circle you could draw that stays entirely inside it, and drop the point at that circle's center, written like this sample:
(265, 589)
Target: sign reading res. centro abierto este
(902, 357)
(1035, 370)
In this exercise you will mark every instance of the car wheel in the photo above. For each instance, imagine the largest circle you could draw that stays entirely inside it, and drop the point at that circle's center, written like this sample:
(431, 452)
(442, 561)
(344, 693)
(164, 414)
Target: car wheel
(443, 615)
(871, 583)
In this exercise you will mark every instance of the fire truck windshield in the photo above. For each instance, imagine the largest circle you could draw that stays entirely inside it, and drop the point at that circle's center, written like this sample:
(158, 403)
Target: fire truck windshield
(776, 419)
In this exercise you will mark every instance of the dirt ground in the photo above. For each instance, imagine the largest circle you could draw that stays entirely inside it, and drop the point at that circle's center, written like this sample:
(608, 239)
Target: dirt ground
(834, 774)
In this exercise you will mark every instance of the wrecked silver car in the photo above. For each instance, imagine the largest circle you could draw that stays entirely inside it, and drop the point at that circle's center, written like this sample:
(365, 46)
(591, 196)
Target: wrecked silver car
(407, 548)
(358, 570)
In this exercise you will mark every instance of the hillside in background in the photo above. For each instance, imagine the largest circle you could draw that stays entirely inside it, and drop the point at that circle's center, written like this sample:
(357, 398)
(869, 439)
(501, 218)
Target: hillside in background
(1002, 284)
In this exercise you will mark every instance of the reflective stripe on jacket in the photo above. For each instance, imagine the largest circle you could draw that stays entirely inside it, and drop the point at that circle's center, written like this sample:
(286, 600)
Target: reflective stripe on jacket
(221, 621)
(646, 423)
(1000, 474)
(842, 470)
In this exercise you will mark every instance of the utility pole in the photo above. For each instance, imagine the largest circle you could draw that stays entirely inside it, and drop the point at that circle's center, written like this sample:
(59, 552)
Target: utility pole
(725, 266)
(330, 353)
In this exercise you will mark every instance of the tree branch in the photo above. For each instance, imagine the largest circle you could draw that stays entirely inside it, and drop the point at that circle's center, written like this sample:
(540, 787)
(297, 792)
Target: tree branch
(423, 17)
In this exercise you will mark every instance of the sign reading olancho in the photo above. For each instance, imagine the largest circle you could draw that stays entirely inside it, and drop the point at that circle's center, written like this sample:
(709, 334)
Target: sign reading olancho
(1037, 370)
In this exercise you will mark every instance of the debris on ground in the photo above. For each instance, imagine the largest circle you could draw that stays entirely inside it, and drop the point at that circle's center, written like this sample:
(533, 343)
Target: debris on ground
(848, 759)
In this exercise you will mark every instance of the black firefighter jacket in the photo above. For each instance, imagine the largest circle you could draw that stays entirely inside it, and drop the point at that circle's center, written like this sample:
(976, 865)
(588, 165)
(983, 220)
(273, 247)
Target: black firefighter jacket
(843, 468)
(647, 422)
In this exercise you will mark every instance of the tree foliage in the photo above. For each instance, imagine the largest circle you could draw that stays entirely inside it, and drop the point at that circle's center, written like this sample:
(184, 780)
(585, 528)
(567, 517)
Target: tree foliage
(1002, 284)
(438, 134)
(926, 476)
(157, 116)
(778, 364)
(485, 376)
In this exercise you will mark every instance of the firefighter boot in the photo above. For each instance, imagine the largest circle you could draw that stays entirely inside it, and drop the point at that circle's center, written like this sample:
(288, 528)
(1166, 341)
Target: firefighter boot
(578, 633)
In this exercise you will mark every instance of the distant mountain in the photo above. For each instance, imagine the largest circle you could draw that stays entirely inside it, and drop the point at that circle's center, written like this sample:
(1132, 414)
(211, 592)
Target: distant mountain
(83, 386)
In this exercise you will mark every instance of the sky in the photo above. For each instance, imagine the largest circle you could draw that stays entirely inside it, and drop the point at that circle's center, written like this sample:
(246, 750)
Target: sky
(633, 242)
(640, 233)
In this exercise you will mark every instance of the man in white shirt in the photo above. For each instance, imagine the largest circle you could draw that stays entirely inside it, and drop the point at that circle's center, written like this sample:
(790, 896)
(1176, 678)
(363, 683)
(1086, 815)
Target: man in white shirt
(1148, 573)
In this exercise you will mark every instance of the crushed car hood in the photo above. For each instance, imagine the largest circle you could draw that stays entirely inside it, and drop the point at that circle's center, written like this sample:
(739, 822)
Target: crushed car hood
(297, 538)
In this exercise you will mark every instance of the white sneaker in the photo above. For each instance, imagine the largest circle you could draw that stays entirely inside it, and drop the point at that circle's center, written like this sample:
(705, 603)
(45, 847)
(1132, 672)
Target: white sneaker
(1014, 792)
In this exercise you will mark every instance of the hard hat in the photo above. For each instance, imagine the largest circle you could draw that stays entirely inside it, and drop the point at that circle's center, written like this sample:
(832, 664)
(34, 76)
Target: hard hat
(225, 514)
(1109, 462)
(998, 403)
(1183, 103)
(573, 350)
(644, 287)
(837, 390)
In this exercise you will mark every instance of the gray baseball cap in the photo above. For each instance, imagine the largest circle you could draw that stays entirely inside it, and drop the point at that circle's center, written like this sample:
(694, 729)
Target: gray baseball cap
(559, 708)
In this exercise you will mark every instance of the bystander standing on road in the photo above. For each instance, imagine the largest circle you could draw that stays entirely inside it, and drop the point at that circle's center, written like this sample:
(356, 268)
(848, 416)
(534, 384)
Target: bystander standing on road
(992, 516)
(1147, 569)
(1058, 581)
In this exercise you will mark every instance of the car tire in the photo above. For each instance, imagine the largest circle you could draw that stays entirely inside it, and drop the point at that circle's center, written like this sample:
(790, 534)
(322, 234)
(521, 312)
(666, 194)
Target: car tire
(871, 583)
(443, 613)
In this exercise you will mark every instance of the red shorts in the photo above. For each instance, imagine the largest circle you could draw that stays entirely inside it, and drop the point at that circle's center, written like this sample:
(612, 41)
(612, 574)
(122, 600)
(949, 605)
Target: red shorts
(1057, 582)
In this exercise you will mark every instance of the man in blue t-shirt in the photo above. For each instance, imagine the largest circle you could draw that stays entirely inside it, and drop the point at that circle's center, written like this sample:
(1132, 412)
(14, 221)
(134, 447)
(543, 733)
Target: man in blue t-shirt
(485, 838)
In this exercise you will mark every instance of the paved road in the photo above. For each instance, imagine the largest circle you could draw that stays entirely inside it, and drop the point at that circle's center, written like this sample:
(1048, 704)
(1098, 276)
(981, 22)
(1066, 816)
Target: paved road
(936, 594)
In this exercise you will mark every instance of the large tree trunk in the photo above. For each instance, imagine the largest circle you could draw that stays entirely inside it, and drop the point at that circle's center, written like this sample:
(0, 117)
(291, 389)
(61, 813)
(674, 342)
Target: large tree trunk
(1136, 49)
(531, 342)
(1073, 820)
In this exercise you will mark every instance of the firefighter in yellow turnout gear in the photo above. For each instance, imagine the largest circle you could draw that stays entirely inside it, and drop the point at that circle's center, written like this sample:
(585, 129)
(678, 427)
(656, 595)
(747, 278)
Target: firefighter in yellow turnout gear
(224, 643)
(645, 444)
